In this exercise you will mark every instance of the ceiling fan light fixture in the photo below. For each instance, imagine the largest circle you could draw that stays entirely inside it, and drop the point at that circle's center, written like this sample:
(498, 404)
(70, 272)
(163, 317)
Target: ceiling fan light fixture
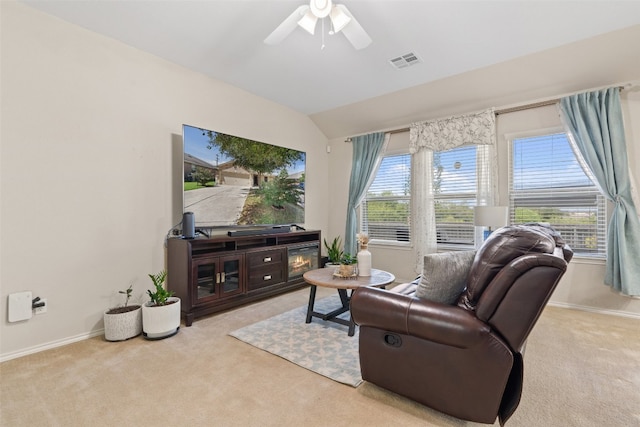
(308, 22)
(320, 8)
(339, 19)
(307, 16)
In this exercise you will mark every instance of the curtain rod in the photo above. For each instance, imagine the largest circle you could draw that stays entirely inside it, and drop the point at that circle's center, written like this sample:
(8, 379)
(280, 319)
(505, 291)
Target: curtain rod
(514, 109)
(527, 106)
(536, 104)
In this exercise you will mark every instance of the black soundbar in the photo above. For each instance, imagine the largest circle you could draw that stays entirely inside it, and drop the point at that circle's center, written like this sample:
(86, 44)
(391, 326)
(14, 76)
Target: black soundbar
(257, 232)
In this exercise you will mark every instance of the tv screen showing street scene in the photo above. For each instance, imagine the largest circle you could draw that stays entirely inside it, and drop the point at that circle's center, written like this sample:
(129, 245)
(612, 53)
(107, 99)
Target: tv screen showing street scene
(232, 181)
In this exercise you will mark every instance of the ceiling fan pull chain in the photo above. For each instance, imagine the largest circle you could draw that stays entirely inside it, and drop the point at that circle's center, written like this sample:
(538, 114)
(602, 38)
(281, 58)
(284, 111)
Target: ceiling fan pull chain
(322, 47)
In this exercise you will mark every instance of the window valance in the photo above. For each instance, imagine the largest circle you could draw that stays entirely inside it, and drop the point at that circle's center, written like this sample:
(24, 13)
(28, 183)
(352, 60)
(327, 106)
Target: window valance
(428, 137)
(452, 132)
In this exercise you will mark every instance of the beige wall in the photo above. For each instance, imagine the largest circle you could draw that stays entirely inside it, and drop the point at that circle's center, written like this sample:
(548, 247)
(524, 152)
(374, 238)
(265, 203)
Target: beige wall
(91, 162)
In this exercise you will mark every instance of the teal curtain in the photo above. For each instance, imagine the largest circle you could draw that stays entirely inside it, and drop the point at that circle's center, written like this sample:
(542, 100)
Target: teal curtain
(594, 120)
(366, 157)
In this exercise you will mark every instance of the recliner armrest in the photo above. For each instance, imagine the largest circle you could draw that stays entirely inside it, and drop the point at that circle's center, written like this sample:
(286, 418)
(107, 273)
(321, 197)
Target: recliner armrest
(444, 324)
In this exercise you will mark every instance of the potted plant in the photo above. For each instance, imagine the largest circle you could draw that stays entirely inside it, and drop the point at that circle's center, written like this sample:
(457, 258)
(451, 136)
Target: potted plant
(348, 264)
(334, 252)
(161, 315)
(123, 322)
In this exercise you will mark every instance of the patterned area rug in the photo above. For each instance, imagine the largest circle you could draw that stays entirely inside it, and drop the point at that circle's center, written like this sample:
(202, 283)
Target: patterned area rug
(322, 347)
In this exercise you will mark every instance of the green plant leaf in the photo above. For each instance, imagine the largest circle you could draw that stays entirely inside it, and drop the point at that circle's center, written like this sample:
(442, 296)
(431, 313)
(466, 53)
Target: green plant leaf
(161, 295)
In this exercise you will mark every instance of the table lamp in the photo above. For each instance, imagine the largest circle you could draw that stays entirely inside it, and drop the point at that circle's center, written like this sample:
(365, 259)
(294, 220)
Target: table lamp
(491, 217)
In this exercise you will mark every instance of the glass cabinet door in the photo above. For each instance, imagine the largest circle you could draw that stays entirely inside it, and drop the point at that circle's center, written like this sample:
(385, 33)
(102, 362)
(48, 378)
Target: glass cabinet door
(230, 282)
(207, 277)
(216, 277)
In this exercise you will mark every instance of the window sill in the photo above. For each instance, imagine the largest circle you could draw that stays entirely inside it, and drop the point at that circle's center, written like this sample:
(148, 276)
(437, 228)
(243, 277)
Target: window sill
(443, 247)
(582, 259)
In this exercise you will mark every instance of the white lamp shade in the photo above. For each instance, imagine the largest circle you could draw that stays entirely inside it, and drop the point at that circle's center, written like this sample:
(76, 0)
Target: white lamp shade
(308, 22)
(339, 19)
(491, 216)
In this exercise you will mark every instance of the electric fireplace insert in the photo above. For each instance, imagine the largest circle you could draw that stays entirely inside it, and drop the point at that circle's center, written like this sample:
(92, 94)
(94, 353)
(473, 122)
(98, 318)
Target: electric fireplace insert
(302, 258)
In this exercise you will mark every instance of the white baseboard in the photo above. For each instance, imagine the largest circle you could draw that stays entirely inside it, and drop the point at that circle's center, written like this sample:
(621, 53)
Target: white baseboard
(47, 346)
(595, 310)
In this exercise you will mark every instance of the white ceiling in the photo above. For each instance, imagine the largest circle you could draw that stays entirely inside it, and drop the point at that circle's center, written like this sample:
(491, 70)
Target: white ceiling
(224, 39)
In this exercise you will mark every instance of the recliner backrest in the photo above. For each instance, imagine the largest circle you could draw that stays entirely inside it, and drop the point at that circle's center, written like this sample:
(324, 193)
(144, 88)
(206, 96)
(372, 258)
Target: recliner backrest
(502, 246)
(516, 297)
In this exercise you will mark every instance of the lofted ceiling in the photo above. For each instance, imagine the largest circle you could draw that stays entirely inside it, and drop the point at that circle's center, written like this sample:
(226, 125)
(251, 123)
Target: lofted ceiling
(223, 39)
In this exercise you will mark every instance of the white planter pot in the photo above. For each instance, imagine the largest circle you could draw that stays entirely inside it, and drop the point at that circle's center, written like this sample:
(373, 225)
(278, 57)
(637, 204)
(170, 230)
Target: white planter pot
(122, 326)
(161, 321)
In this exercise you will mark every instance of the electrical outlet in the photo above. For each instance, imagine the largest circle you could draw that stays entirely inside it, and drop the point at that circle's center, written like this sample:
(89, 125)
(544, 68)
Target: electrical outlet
(43, 309)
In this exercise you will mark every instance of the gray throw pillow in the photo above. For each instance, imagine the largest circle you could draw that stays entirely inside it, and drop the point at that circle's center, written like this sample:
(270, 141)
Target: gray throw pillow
(444, 276)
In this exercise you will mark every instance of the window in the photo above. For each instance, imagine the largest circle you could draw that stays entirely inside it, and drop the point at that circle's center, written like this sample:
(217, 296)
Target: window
(547, 184)
(386, 210)
(454, 190)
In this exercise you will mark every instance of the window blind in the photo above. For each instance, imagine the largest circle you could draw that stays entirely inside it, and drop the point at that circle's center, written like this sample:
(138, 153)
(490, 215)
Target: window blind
(455, 183)
(386, 210)
(548, 184)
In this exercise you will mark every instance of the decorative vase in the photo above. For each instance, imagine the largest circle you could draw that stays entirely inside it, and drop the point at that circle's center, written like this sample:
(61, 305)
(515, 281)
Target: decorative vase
(364, 262)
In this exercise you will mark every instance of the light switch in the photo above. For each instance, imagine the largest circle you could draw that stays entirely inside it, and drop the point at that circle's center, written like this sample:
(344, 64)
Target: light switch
(20, 306)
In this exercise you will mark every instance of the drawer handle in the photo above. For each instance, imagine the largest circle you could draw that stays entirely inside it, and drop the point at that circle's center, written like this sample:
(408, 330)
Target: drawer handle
(266, 259)
(267, 277)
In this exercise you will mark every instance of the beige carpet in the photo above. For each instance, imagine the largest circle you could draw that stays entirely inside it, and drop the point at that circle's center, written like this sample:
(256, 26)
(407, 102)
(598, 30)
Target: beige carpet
(581, 369)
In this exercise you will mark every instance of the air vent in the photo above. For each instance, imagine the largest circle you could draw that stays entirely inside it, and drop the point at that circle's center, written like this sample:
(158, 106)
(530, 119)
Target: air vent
(405, 61)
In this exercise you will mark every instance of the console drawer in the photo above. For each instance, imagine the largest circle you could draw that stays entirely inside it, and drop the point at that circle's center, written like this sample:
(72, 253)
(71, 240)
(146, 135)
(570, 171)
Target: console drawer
(262, 277)
(265, 258)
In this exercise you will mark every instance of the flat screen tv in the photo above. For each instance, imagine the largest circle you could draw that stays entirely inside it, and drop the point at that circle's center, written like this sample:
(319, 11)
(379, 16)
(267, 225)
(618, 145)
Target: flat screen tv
(231, 182)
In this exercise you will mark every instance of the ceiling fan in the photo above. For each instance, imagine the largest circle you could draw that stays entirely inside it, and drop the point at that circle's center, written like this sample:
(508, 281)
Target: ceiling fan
(307, 17)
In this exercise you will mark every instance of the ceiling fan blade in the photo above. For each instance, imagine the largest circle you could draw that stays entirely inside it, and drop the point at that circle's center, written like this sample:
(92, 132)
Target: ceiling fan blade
(287, 26)
(354, 32)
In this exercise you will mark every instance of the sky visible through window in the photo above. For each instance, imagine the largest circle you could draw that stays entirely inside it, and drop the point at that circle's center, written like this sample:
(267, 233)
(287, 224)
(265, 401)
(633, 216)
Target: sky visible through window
(458, 170)
(393, 177)
(546, 162)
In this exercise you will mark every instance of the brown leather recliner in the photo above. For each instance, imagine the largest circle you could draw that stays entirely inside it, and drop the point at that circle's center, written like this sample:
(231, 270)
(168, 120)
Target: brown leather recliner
(464, 359)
